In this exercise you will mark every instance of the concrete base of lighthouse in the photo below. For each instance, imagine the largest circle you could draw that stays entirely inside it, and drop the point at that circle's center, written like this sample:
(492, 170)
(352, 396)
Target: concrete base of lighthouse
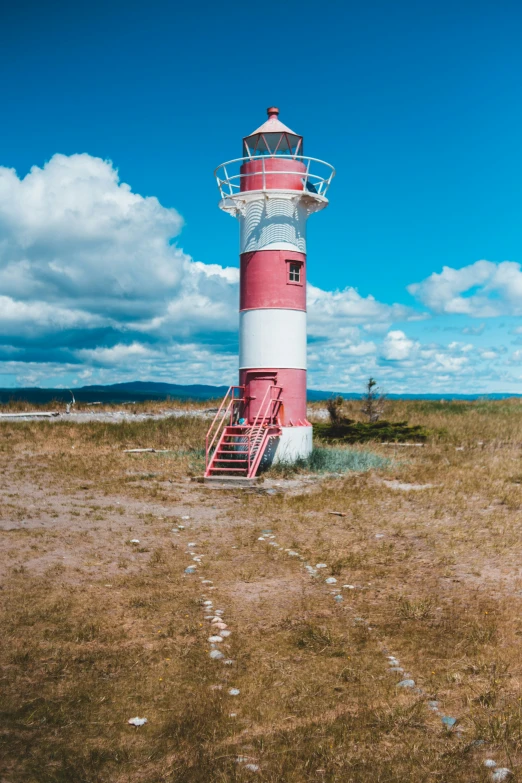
(293, 444)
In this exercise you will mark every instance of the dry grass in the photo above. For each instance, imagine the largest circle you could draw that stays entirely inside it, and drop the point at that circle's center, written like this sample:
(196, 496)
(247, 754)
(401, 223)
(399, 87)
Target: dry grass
(96, 630)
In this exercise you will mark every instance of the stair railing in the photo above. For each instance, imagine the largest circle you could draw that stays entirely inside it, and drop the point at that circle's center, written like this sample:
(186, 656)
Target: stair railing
(266, 410)
(219, 421)
(256, 434)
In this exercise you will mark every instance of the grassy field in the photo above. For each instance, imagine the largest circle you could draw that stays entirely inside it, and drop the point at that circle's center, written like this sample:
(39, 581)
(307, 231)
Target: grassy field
(100, 623)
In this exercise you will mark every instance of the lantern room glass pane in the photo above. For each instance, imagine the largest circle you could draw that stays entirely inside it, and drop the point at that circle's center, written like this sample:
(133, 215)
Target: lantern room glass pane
(273, 144)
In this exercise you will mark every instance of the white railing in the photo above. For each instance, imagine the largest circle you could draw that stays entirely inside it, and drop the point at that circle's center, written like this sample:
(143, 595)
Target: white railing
(316, 178)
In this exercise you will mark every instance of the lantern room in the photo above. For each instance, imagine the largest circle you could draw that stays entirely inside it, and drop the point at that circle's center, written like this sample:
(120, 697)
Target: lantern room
(272, 138)
(273, 160)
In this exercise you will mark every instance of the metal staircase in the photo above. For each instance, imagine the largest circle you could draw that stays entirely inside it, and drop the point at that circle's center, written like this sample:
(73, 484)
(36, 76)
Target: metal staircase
(237, 449)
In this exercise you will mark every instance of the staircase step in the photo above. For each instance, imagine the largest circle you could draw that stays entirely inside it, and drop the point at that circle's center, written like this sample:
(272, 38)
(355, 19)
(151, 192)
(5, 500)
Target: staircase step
(228, 460)
(239, 448)
(230, 470)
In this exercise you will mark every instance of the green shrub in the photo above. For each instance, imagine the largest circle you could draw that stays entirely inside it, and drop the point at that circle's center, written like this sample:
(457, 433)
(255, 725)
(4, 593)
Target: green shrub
(328, 460)
(350, 431)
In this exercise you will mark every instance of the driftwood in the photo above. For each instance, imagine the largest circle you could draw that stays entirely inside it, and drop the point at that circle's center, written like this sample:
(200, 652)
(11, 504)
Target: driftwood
(70, 404)
(336, 513)
(146, 451)
(392, 443)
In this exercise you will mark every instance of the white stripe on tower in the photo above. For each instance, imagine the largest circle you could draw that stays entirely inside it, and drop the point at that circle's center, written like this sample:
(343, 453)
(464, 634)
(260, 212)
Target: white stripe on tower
(272, 338)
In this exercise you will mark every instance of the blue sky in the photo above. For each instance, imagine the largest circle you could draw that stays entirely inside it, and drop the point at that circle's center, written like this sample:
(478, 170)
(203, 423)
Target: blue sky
(415, 104)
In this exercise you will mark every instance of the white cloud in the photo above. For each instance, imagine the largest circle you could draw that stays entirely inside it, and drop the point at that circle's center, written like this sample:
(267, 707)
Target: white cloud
(82, 254)
(118, 354)
(229, 273)
(361, 349)
(333, 309)
(481, 290)
(37, 316)
(396, 346)
(462, 347)
(403, 364)
(447, 363)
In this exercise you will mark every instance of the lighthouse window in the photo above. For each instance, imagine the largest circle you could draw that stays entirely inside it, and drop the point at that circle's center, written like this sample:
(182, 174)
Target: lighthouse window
(294, 273)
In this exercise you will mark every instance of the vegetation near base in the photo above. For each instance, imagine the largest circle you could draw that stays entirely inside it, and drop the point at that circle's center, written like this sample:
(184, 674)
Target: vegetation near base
(350, 431)
(328, 460)
(373, 405)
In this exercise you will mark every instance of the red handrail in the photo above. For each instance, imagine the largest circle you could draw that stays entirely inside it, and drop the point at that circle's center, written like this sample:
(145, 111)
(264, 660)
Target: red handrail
(229, 408)
(267, 411)
(257, 428)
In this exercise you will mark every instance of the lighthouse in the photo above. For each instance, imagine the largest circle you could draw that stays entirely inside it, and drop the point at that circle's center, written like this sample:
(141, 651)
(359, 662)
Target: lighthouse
(272, 190)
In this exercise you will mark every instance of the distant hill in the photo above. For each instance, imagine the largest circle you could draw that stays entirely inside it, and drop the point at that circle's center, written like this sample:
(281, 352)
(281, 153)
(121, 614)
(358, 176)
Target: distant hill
(139, 391)
(136, 391)
(315, 395)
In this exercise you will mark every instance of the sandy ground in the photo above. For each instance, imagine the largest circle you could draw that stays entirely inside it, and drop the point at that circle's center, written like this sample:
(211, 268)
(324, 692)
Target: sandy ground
(89, 530)
(113, 417)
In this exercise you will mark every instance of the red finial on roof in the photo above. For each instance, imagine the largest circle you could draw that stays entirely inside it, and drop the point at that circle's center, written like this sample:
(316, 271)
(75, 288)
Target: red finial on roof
(272, 112)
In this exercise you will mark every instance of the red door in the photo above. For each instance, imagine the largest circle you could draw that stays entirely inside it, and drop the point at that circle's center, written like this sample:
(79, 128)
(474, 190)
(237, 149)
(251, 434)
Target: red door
(258, 395)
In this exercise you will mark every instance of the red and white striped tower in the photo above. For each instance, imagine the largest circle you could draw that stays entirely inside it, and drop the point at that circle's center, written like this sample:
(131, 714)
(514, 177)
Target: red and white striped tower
(272, 190)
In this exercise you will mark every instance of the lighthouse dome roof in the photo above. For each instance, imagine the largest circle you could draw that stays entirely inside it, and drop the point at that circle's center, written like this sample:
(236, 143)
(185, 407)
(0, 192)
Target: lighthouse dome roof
(273, 124)
(273, 137)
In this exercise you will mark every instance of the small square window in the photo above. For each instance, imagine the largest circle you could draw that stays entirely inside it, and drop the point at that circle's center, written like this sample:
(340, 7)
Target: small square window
(294, 272)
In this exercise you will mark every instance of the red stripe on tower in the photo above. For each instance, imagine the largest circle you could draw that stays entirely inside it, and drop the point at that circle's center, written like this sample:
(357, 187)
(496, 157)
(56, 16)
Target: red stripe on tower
(272, 278)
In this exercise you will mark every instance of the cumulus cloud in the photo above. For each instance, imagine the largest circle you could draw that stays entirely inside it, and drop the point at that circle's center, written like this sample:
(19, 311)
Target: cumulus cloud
(330, 310)
(396, 346)
(118, 354)
(480, 290)
(26, 318)
(83, 256)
